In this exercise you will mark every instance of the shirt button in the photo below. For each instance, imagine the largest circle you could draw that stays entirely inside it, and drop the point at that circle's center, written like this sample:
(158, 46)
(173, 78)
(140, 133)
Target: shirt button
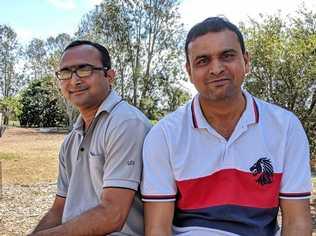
(82, 149)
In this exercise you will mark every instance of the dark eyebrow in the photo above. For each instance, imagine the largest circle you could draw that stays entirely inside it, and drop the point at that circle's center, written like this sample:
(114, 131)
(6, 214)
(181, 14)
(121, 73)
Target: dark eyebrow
(200, 56)
(75, 66)
(229, 50)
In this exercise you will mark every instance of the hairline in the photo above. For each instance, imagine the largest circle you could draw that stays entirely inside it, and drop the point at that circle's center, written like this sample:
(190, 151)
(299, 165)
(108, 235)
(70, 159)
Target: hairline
(213, 25)
(104, 55)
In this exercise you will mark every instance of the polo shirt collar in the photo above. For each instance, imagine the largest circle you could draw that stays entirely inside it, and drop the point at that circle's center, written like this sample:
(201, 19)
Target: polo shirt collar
(106, 106)
(251, 113)
(249, 116)
(109, 102)
(198, 119)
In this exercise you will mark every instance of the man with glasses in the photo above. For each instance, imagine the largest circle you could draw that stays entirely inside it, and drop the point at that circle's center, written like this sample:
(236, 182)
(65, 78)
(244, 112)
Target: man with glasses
(100, 159)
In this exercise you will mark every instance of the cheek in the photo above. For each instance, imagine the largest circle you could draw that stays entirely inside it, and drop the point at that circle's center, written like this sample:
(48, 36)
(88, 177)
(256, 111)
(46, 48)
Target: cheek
(63, 88)
(199, 75)
(239, 70)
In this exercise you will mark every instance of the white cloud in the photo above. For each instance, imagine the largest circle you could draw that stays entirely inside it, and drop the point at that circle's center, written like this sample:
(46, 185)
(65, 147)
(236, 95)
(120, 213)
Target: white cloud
(25, 35)
(63, 4)
(194, 11)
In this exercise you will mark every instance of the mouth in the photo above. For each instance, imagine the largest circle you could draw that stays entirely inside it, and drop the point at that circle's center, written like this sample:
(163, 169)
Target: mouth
(78, 91)
(217, 82)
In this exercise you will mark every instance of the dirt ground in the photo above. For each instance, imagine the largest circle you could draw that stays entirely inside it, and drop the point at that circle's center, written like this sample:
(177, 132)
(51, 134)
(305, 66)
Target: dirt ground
(28, 156)
(29, 170)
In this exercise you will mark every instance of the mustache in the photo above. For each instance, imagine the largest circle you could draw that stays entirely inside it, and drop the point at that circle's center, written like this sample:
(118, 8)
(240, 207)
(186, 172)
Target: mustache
(216, 79)
(78, 88)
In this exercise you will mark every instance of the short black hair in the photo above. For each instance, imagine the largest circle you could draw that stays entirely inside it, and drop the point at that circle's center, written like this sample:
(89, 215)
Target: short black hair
(212, 24)
(105, 56)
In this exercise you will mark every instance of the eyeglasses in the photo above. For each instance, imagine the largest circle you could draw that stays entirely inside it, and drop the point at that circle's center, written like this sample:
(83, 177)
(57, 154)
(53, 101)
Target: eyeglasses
(81, 71)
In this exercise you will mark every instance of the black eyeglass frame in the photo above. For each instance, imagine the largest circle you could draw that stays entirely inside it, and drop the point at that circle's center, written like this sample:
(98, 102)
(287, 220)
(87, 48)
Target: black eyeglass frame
(78, 67)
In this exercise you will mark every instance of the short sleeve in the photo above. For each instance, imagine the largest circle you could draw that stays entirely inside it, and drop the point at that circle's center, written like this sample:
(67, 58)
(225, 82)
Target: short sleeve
(123, 165)
(158, 182)
(296, 179)
(62, 180)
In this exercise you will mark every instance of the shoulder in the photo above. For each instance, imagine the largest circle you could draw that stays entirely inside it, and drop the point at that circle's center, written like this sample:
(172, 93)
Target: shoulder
(68, 138)
(172, 123)
(274, 114)
(126, 113)
(67, 142)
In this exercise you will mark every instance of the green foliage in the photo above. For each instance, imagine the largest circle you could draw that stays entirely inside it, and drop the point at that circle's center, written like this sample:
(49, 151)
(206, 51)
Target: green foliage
(146, 40)
(12, 106)
(284, 64)
(42, 60)
(40, 105)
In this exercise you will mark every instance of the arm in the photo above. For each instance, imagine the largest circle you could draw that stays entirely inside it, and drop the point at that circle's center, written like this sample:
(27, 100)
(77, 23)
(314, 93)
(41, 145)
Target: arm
(158, 218)
(53, 216)
(296, 217)
(296, 183)
(158, 186)
(109, 216)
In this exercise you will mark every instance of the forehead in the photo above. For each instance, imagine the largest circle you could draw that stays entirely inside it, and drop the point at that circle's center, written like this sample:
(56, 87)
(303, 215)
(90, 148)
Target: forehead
(82, 54)
(214, 43)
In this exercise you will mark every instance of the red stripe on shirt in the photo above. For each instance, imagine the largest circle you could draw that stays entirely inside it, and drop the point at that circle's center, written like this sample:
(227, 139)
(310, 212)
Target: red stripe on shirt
(195, 125)
(229, 186)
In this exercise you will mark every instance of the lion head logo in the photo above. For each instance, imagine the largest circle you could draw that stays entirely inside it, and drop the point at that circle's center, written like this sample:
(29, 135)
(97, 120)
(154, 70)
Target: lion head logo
(264, 169)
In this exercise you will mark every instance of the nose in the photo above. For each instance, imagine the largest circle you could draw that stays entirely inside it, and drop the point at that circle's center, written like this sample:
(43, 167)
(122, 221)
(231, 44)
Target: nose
(75, 79)
(216, 67)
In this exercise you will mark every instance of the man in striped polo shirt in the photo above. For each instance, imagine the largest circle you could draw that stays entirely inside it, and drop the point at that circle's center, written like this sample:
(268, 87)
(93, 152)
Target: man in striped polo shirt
(225, 163)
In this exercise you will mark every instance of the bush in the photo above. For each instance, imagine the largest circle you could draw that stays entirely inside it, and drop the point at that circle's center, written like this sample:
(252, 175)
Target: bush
(40, 105)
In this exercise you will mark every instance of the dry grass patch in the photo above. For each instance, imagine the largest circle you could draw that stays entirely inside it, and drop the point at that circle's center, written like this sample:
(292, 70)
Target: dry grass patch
(28, 156)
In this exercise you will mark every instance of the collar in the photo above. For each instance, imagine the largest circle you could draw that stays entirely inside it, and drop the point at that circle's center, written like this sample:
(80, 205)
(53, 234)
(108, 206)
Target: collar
(249, 116)
(108, 104)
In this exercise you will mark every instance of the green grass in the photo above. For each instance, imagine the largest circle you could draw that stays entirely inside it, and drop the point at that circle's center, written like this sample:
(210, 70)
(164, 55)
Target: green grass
(8, 156)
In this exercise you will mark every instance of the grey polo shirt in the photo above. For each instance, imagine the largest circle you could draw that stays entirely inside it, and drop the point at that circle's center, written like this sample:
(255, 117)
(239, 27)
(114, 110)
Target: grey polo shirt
(107, 155)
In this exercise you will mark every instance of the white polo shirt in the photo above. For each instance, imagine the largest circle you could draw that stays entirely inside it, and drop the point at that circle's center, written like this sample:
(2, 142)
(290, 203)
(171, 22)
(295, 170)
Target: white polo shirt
(227, 187)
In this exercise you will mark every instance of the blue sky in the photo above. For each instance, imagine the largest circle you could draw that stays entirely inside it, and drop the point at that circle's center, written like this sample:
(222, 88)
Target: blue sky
(44, 18)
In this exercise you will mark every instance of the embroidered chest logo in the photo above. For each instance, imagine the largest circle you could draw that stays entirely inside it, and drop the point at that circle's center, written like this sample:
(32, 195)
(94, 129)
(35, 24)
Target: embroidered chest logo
(130, 162)
(264, 169)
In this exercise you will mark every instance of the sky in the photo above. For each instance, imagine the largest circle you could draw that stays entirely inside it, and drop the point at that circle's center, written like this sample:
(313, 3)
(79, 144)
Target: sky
(44, 18)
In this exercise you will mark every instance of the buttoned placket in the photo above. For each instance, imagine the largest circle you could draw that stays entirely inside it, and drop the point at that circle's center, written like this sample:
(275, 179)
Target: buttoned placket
(84, 134)
(83, 147)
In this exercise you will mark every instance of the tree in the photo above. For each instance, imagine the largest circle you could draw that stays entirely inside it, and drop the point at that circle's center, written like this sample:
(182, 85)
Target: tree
(143, 38)
(40, 105)
(9, 79)
(55, 47)
(12, 106)
(36, 57)
(284, 64)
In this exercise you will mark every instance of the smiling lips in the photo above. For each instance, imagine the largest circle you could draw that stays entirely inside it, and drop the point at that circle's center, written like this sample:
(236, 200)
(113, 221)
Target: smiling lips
(217, 82)
(77, 91)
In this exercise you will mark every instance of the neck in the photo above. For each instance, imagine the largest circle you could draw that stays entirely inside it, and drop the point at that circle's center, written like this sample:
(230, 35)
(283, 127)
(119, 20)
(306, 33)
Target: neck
(88, 115)
(224, 115)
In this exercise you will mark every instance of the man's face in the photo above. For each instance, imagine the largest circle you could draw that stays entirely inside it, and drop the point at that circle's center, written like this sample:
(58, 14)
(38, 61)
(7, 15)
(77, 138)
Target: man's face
(87, 92)
(217, 66)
